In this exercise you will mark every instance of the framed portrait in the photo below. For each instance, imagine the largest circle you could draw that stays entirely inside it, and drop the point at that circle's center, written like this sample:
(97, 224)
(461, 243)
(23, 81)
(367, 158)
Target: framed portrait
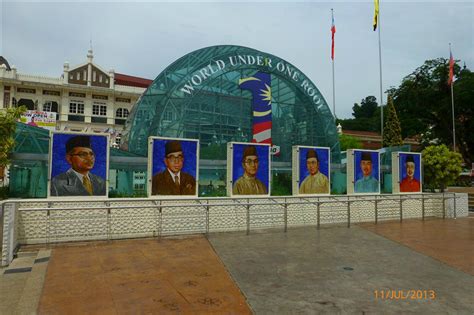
(78, 164)
(406, 172)
(248, 169)
(363, 172)
(311, 170)
(173, 167)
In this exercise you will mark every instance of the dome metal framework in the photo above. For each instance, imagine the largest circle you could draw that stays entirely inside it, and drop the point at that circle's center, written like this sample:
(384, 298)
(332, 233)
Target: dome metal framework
(198, 96)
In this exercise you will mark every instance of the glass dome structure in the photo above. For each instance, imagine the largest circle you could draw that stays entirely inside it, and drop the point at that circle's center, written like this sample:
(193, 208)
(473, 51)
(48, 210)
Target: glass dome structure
(198, 97)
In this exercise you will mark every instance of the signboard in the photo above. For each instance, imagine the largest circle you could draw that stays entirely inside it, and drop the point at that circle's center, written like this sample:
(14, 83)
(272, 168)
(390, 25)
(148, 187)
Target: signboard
(46, 120)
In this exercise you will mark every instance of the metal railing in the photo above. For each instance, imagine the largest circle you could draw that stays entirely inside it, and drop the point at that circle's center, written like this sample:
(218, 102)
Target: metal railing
(48, 221)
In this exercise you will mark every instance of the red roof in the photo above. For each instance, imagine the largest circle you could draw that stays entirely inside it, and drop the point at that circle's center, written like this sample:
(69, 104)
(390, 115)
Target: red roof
(361, 133)
(128, 80)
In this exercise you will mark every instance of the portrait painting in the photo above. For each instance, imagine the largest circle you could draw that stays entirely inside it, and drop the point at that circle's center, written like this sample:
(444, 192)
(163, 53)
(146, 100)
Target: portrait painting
(249, 169)
(409, 168)
(312, 170)
(366, 172)
(78, 164)
(173, 165)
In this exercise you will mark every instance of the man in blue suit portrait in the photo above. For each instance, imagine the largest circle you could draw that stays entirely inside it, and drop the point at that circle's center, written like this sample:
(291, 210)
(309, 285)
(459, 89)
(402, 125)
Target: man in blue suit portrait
(78, 180)
(366, 184)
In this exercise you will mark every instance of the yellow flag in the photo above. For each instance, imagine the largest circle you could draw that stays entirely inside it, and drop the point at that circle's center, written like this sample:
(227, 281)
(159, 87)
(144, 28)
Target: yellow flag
(376, 13)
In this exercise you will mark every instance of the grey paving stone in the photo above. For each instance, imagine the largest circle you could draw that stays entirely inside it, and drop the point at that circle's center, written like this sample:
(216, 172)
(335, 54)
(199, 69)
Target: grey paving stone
(308, 271)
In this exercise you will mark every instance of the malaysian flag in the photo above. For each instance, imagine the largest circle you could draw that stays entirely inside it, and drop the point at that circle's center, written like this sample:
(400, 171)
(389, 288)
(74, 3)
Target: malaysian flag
(451, 67)
(333, 31)
(260, 87)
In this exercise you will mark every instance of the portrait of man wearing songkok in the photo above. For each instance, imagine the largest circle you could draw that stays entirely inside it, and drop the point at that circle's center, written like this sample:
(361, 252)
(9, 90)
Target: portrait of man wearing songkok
(253, 179)
(86, 163)
(174, 167)
(315, 181)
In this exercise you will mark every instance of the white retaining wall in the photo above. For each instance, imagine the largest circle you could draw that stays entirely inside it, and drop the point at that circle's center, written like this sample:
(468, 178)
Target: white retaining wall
(50, 221)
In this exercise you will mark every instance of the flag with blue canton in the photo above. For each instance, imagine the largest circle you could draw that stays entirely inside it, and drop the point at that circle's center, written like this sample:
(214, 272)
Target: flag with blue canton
(260, 87)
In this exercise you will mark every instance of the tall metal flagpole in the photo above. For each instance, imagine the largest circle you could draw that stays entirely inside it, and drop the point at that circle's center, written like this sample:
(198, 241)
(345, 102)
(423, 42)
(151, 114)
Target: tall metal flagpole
(380, 66)
(454, 126)
(333, 80)
(452, 103)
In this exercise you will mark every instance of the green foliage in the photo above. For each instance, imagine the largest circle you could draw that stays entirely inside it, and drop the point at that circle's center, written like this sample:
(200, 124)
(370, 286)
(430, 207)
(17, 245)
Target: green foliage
(441, 166)
(4, 192)
(366, 109)
(349, 142)
(8, 120)
(392, 133)
(281, 184)
(213, 152)
(366, 116)
(423, 102)
(136, 194)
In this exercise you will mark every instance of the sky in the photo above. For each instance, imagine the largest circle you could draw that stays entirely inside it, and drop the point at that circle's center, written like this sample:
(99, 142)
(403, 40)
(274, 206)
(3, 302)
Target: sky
(143, 38)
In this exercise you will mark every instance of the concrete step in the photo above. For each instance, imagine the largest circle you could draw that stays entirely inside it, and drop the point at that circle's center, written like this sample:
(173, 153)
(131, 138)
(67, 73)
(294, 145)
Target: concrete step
(21, 283)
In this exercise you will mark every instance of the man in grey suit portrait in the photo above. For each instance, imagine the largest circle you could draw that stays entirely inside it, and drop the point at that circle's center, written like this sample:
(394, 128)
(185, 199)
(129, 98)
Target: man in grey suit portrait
(78, 180)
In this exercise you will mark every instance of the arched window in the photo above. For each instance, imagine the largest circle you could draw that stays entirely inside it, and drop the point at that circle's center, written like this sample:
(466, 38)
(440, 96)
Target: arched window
(50, 106)
(29, 104)
(122, 113)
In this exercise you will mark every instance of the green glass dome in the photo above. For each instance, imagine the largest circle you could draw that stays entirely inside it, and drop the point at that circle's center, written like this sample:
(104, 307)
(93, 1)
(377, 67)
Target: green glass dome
(198, 97)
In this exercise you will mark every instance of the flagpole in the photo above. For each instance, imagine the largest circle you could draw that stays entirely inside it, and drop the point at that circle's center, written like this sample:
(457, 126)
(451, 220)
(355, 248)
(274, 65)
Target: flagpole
(380, 67)
(452, 104)
(454, 126)
(333, 80)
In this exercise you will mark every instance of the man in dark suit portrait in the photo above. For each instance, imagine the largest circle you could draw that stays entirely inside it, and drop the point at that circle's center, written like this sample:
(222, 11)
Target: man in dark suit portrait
(78, 180)
(172, 181)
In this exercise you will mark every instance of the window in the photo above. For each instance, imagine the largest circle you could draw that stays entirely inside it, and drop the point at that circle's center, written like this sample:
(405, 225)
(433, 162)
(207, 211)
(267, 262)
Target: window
(123, 100)
(122, 113)
(99, 109)
(117, 139)
(28, 103)
(48, 92)
(78, 76)
(84, 75)
(25, 90)
(75, 94)
(50, 106)
(139, 180)
(168, 115)
(76, 107)
(94, 75)
(100, 78)
(100, 97)
(47, 106)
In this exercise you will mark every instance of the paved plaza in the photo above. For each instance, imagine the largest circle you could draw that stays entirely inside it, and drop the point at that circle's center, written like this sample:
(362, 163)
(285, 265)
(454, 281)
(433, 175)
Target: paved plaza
(411, 267)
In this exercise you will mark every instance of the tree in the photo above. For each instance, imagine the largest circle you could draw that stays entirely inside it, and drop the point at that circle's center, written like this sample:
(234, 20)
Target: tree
(8, 120)
(392, 132)
(423, 101)
(349, 142)
(366, 116)
(366, 109)
(441, 166)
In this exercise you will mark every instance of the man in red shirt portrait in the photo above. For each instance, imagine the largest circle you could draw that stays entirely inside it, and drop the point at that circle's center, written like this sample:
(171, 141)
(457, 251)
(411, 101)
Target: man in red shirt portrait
(410, 183)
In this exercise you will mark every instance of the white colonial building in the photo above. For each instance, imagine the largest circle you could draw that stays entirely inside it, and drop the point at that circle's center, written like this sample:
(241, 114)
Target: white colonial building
(85, 97)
